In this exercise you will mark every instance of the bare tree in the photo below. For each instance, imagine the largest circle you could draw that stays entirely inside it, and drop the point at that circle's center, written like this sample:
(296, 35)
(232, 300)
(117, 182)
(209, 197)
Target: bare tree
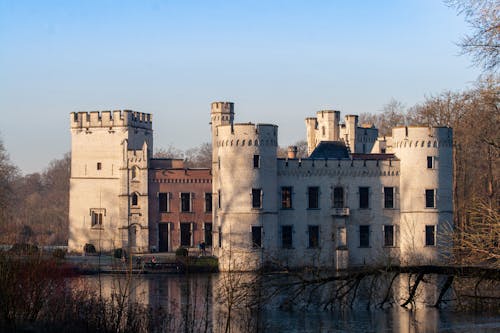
(484, 41)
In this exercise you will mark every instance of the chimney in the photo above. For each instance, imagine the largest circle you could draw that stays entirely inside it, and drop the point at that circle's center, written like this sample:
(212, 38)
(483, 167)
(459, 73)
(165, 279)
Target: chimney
(292, 152)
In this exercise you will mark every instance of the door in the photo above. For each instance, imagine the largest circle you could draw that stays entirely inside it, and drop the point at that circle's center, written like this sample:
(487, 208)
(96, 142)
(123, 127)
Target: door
(163, 237)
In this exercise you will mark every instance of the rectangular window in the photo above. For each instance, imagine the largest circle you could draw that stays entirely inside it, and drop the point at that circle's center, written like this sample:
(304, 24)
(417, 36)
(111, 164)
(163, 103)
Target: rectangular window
(286, 236)
(364, 201)
(430, 235)
(388, 235)
(286, 197)
(185, 202)
(388, 197)
(256, 161)
(430, 163)
(219, 199)
(96, 219)
(430, 201)
(338, 197)
(313, 197)
(208, 202)
(313, 236)
(186, 233)
(99, 165)
(163, 202)
(208, 233)
(220, 236)
(256, 236)
(256, 198)
(364, 236)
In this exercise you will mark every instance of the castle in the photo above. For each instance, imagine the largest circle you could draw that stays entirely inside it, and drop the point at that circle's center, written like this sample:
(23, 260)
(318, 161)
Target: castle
(357, 199)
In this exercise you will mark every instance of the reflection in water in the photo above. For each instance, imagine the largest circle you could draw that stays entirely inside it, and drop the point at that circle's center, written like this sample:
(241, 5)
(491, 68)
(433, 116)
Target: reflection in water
(237, 303)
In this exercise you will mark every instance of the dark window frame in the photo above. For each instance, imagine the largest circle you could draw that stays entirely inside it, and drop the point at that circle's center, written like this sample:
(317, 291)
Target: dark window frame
(364, 197)
(389, 197)
(256, 198)
(430, 162)
(338, 197)
(186, 204)
(389, 235)
(430, 198)
(287, 236)
(256, 161)
(256, 236)
(430, 235)
(313, 236)
(208, 202)
(364, 236)
(163, 202)
(286, 197)
(313, 197)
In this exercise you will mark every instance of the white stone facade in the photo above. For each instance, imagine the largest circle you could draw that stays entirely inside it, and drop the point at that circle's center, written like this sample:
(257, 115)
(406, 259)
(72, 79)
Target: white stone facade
(389, 201)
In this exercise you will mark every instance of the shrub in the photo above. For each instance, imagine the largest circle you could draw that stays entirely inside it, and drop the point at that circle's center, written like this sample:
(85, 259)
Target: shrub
(59, 253)
(23, 248)
(89, 249)
(181, 252)
(119, 253)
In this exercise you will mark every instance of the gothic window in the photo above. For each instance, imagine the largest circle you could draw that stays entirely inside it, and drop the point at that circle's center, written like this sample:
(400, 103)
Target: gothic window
(286, 197)
(134, 199)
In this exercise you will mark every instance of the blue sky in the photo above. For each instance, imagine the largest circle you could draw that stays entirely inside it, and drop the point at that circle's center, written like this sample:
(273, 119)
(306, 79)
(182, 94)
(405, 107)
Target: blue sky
(278, 61)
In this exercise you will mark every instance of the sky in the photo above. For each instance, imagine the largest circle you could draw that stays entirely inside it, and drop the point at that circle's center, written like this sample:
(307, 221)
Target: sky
(278, 61)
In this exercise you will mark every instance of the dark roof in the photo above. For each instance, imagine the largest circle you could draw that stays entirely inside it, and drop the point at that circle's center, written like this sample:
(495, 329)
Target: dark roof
(330, 149)
(373, 157)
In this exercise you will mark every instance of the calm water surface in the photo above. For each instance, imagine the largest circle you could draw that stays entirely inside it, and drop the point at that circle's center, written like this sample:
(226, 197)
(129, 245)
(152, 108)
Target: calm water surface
(204, 298)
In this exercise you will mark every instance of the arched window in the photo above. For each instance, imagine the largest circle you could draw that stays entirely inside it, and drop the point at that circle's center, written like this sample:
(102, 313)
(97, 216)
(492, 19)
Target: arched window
(249, 142)
(135, 172)
(135, 199)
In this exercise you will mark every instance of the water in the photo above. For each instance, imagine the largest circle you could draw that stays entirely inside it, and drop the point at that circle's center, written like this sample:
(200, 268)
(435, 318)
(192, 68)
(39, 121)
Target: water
(209, 300)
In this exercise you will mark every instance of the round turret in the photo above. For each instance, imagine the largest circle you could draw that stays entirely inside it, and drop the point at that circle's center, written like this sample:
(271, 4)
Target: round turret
(426, 189)
(247, 178)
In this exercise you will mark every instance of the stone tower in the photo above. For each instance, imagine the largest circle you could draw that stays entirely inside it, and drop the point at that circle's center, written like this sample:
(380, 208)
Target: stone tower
(108, 185)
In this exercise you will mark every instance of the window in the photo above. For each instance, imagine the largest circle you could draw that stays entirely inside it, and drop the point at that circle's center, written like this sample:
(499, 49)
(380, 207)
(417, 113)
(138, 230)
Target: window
(208, 233)
(429, 199)
(256, 198)
(256, 237)
(135, 199)
(430, 235)
(186, 234)
(220, 236)
(185, 202)
(364, 197)
(313, 236)
(388, 197)
(219, 199)
(364, 236)
(338, 197)
(96, 217)
(388, 235)
(286, 197)
(134, 172)
(164, 202)
(208, 202)
(256, 161)
(99, 165)
(313, 197)
(286, 236)
(430, 163)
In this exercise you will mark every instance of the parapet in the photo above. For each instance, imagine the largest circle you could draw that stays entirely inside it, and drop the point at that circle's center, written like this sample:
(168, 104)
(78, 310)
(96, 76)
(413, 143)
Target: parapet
(117, 118)
(422, 136)
(222, 107)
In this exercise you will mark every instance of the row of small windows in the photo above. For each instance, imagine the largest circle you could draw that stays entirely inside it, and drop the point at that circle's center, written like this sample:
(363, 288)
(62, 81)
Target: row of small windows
(338, 197)
(421, 144)
(364, 240)
(243, 142)
(186, 201)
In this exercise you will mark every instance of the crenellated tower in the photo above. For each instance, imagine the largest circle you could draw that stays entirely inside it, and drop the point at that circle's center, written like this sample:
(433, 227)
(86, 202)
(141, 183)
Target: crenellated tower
(108, 207)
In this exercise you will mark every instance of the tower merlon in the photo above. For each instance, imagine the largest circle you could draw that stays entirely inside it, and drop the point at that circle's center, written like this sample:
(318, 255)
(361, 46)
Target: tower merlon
(117, 118)
(222, 107)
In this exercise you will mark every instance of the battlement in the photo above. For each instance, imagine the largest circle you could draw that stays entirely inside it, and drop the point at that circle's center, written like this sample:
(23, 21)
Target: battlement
(117, 118)
(422, 136)
(353, 167)
(222, 107)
